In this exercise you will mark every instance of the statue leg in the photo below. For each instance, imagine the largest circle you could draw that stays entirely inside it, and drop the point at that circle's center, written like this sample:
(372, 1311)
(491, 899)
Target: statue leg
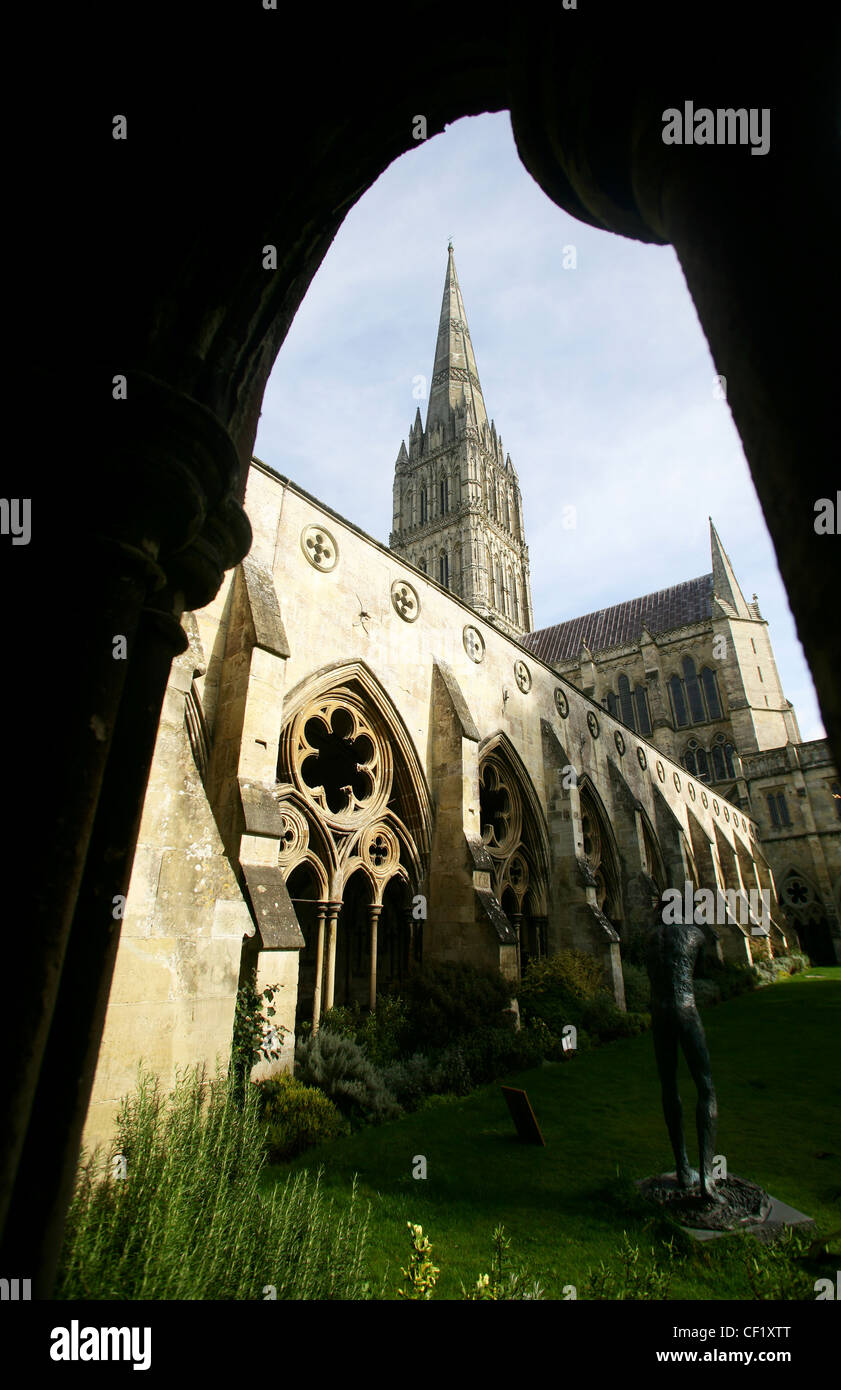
(665, 1050)
(694, 1044)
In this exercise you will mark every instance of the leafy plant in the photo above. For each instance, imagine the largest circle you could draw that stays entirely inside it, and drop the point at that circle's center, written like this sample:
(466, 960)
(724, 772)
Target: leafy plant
(774, 1269)
(421, 1276)
(637, 1279)
(503, 1283)
(188, 1221)
(637, 988)
(255, 1038)
(297, 1117)
(339, 1067)
(449, 1000)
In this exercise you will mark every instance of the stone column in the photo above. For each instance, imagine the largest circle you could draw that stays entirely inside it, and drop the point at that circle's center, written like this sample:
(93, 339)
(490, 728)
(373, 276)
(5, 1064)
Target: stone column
(333, 910)
(516, 920)
(321, 912)
(374, 911)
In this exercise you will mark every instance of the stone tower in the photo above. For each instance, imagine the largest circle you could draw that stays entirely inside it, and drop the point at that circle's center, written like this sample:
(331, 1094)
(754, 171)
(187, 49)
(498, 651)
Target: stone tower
(458, 510)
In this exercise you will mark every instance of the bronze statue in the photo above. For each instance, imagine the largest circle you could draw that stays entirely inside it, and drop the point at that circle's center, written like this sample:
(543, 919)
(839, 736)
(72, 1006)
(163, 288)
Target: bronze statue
(671, 956)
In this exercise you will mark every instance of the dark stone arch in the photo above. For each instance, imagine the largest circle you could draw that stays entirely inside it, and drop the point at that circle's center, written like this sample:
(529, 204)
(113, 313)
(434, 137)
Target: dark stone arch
(165, 284)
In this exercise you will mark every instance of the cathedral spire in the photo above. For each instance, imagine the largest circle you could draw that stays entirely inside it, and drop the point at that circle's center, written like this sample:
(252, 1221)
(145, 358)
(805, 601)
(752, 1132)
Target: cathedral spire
(725, 583)
(454, 375)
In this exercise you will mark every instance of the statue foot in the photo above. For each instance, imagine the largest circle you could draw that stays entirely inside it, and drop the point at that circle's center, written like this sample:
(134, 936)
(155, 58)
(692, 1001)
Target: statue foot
(688, 1177)
(711, 1196)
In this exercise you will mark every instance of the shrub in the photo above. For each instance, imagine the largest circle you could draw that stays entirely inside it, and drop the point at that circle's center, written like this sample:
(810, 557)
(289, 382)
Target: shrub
(446, 1001)
(297, 1117)
(732, 978)
(490, 1052)
(454, 1077)
(576, 971)
(188, 1221)
(340, 1067)
(380, 1031)
(603, 1018)
(637, 987)
(706, 992)
(410, 1080)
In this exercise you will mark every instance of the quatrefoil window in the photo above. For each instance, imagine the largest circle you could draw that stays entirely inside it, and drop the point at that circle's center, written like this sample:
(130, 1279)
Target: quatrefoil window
(494, 807)
(378, 851)
(319, 547)
(522, 676)
(339, 763)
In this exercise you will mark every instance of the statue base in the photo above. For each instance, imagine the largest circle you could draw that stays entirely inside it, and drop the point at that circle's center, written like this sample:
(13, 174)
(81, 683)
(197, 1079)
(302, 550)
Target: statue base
(739, 1205)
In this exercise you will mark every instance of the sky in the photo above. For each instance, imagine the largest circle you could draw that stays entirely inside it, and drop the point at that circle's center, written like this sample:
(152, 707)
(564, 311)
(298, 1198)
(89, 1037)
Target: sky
(598, 376)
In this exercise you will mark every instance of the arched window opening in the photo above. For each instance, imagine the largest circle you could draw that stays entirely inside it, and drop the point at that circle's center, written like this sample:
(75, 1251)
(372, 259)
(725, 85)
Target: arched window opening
(613, 705)
(710, 684)
(424, 507)
(778, 810)
(516, 600)
(681, 718)
(643, 717)
(498, 584)
(693, 691)
(444, 570)
(444, 487)
(625, 703)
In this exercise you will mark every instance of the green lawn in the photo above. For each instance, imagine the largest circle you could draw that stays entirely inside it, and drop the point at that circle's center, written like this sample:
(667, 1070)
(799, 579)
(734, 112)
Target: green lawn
(775, 1060)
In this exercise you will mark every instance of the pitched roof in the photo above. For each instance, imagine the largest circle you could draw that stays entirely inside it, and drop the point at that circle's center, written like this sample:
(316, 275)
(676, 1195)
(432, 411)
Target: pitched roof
(679, 606)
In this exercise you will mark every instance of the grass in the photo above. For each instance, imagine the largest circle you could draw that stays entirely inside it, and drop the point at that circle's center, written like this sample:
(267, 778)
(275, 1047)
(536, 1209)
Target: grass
(188, 1220)
(775, 1065)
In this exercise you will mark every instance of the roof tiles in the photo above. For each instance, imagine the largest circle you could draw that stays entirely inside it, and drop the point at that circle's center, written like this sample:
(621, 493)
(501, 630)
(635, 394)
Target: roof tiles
(679, 606)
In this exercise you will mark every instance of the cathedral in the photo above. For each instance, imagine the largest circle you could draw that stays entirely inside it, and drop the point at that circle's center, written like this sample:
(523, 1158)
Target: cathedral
(368, 758)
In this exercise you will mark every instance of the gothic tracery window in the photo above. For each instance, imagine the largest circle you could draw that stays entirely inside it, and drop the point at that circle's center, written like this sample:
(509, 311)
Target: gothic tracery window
(444, 489)
(444, 570)
(424, 507)
(695, 698)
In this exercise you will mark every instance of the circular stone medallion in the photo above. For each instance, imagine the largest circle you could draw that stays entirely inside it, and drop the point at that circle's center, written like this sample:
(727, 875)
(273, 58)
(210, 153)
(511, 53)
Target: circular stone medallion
(320, 548)
(592, 724)
(716, 806)
(691, 787)
(474, 643)
(704, 801)
(726, 814)
(642, 759)
(522, 676)
(677, 781)
(661, 771)
(405, 600)
(561, 703)
(620, 743)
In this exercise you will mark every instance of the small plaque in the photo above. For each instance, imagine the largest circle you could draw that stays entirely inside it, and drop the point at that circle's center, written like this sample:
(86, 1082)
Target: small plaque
(523, 1116)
